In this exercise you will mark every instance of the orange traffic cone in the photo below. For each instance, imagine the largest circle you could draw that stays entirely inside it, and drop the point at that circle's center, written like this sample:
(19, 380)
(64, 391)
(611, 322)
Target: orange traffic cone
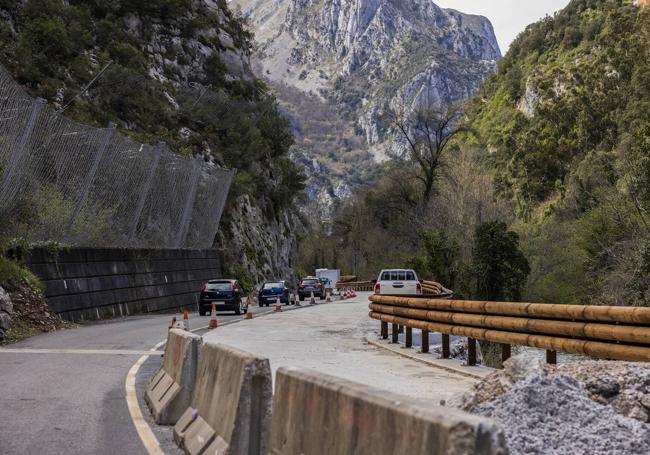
(312, 300)
(213, 316)
(249, 312)
(186, 320)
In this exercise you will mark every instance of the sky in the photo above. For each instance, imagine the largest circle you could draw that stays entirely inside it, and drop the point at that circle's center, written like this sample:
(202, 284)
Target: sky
(508, 17)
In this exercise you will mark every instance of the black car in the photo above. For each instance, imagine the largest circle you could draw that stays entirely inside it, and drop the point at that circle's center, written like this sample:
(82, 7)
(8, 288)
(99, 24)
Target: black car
(226, 294)
(309, 285)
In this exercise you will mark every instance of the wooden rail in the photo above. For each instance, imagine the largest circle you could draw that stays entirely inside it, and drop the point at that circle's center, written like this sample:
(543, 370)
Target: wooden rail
(620, 333)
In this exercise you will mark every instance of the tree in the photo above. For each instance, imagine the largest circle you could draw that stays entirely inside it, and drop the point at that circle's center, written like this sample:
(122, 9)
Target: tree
(440, 259)
(498, 264)
(427, 132)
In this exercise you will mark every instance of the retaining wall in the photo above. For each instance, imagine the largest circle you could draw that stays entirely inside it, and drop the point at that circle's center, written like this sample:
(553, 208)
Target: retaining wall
(95, 283)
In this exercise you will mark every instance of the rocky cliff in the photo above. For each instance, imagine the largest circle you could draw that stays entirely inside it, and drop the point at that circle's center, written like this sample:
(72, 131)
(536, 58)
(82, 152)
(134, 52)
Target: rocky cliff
(338, 65)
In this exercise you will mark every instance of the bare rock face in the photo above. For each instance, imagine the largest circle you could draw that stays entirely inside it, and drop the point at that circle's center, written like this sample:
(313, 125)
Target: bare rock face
(6, 313)
(359, 58)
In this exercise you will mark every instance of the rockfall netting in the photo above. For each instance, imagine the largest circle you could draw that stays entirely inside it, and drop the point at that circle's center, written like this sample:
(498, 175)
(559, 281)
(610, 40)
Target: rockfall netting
(66, 182)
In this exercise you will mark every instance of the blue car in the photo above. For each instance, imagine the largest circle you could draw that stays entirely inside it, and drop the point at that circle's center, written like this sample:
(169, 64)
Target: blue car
(271, 289)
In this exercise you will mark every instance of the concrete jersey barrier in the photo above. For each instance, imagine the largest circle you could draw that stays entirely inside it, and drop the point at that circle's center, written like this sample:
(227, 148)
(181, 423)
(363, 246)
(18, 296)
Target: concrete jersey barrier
(170, 391)
(231, 405)
(315, 414)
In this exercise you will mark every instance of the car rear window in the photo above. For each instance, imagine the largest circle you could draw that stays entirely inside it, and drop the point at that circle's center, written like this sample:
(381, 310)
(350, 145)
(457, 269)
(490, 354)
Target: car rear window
(398, 275)
(223, 286)
(275, 284)
(311, 281)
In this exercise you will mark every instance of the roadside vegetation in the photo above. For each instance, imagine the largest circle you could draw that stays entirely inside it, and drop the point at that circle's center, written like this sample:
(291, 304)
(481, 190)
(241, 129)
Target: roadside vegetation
(545, 196)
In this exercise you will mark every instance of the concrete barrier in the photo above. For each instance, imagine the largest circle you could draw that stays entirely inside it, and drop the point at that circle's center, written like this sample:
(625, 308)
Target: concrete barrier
(170, 391)
(318, 414)
(231, 404)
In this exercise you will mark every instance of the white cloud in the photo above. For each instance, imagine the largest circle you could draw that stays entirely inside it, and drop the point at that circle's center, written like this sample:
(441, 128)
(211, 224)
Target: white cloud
(509, 17)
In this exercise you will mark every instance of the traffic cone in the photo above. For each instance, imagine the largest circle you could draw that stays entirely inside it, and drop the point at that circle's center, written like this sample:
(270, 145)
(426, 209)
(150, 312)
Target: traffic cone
(328, 298)
(296, 299)
(249, 312)
(213, 316)
(186, 320)
(173, 323)
(312, 300)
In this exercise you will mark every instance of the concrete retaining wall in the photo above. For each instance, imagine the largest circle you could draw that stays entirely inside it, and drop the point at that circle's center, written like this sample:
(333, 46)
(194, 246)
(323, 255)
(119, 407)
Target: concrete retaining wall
(169, 393)
(92, 283)
(231, 404)
(317, 414)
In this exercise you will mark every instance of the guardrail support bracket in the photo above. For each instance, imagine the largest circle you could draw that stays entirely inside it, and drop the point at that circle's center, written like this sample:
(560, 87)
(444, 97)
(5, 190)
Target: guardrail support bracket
(395, 334)
(409, 337)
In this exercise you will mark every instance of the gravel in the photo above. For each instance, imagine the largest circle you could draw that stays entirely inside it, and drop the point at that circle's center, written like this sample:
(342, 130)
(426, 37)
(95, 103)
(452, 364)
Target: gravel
(546, 414)
(585, 407)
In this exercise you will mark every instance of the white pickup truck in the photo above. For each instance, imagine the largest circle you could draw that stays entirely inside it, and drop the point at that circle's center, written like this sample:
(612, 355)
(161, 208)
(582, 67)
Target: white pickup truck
(398, 282)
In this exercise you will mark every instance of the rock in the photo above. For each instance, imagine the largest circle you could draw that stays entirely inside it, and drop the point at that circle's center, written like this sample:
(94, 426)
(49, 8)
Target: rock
(6, 313)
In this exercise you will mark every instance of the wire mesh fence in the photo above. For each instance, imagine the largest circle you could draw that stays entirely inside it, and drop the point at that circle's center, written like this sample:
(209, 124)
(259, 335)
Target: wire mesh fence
(79, 185)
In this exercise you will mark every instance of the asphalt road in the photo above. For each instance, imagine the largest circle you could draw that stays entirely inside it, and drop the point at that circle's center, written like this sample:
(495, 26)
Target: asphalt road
(64, 392)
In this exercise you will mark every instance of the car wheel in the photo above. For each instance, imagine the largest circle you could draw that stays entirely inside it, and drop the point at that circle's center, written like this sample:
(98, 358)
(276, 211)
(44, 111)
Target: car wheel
(302, 298)
(202, 312)
(238, 309)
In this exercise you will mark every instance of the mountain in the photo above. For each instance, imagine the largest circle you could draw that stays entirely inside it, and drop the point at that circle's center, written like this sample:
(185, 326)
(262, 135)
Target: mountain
(180, 72)
(565, 123)
(338, 65)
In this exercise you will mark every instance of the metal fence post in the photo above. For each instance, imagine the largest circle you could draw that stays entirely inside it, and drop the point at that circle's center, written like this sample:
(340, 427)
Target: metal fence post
(189, 204)
(85, 189)
(409, 337)
(145, 191)
(445, 346)
(425, 341)
(471, 351)
(394, 334)
(505, 352)
(551, 357)
(20, 148)
(384, 330)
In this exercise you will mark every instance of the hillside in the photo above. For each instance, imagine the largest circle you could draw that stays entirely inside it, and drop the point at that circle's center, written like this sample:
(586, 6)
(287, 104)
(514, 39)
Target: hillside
(180, 72)
(565, 123)
(337, 67)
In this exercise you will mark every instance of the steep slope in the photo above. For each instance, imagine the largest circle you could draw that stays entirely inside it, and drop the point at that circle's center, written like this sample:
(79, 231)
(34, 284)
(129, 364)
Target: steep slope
(348, 61)
(180, 72)
(565, 121)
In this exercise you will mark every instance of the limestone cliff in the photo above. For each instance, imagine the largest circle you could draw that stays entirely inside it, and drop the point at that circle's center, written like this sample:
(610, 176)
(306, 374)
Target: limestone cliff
(339, 64)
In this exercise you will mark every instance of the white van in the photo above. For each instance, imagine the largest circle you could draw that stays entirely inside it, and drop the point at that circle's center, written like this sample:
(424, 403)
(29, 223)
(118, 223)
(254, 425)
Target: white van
(398, 281)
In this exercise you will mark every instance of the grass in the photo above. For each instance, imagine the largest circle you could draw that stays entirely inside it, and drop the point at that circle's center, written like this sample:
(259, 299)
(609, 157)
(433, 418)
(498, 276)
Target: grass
(12, 274)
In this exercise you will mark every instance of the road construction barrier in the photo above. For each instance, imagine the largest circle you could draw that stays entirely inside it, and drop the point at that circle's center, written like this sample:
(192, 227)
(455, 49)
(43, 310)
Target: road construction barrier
(231, 404)
(169, 392)
(618, 333)
(359, 286)
(314, 413)
(435, 288)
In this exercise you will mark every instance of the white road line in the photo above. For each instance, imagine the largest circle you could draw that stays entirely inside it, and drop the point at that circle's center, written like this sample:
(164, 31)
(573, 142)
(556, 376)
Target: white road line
(149, 439)
(147, 436)
(78, 351)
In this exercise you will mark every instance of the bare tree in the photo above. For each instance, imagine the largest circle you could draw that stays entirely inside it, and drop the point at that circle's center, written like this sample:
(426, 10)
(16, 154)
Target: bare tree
(427, 132)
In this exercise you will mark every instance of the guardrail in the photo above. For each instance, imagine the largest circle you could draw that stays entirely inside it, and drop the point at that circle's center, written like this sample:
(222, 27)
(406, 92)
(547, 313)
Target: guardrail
(618, 333)
(434, 288)
(428, 287)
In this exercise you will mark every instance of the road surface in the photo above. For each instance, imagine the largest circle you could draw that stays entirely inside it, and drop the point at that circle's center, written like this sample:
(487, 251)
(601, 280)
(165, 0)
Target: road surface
(64, 392)
(329, 339)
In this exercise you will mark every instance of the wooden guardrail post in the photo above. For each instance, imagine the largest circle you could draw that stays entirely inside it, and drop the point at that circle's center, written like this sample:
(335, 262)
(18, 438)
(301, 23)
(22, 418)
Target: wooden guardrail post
(551, 357)
(471, 351)
(425, 341)
(409, 337)
(384, 330)
(445, 346)
(505, 352)
(394, 334)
